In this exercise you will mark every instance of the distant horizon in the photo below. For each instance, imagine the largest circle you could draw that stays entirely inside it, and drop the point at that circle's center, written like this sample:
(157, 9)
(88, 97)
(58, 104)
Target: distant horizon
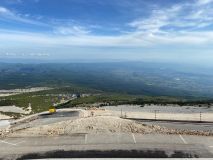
(73, 61)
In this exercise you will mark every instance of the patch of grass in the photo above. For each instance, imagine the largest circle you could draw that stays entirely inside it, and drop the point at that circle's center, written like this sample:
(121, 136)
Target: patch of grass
(38, 103)
(118, 99)
(41, 100)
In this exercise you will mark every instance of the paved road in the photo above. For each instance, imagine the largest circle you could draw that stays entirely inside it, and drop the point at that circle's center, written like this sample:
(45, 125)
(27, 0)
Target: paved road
(182, 125)
(45, 119)
(107, 145)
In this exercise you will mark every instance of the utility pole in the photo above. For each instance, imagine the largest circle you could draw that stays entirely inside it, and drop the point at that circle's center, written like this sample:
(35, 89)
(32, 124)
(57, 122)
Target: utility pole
(121, 113)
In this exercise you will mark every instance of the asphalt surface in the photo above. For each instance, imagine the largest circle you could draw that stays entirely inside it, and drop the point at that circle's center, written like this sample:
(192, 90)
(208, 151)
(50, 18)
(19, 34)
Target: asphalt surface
(47, 118)
(60, 114)
(181, 125)
(119, 145)
(107, 146)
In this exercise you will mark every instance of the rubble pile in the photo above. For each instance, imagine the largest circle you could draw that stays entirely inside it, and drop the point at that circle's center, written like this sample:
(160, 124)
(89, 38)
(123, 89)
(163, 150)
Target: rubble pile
(104, 124)
(3, 133)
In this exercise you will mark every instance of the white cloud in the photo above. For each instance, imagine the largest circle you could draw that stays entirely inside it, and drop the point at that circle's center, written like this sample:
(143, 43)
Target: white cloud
(5, 11)
(178, 17)
(204, 2)
(71, 30)
(9, 15)
(159, 18)
(183, 23)
(136, 39)
(178, 24)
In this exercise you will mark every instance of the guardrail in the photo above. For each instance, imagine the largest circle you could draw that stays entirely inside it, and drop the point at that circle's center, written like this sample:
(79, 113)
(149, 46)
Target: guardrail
(157, 115)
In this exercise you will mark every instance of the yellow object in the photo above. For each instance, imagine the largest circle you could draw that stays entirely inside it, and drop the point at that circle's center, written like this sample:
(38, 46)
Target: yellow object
(52, 110)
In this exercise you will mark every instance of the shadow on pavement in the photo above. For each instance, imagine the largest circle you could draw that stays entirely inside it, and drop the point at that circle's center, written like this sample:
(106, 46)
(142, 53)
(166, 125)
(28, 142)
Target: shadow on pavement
(60, 114)
(109, 154)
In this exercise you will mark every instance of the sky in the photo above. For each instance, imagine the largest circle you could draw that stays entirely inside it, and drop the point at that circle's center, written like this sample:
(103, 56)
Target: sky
(153, 30)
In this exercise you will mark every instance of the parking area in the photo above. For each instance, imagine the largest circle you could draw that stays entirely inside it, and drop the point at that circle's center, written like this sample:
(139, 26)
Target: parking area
(208, 126)
(198, 145)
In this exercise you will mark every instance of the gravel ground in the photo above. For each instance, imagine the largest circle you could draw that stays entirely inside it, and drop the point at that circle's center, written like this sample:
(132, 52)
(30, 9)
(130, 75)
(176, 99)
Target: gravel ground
(101, 124)
(12, 109)
(104, 121)
(3, 117)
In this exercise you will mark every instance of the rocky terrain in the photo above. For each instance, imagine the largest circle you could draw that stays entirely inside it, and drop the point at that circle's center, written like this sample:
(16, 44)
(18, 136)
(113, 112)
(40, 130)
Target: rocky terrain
(101, 124)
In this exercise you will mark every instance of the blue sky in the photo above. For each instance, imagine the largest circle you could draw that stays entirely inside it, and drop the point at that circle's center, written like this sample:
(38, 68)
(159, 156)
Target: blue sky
(158, 30)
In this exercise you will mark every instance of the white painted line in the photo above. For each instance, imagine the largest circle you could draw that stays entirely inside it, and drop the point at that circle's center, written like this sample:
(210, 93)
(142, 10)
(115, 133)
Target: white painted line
(184, 141)
(85, 139)
(211, 146)
(20, 142)
(8, 143)
(133, 136)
